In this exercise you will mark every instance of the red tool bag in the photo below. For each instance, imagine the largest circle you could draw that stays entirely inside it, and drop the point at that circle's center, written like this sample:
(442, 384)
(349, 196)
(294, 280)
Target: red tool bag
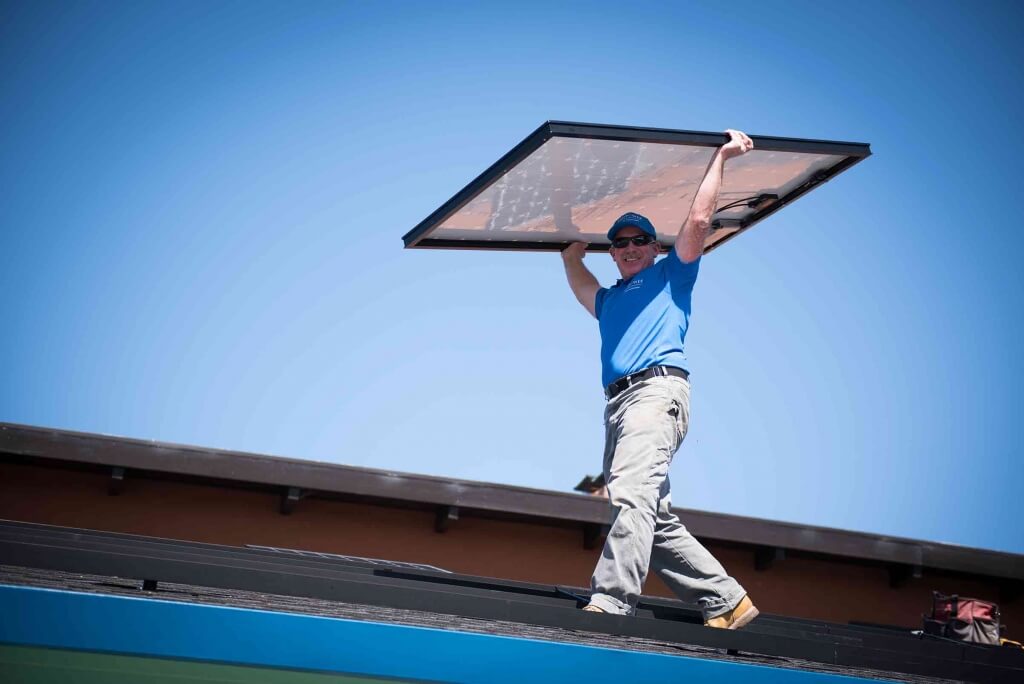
(963, 619)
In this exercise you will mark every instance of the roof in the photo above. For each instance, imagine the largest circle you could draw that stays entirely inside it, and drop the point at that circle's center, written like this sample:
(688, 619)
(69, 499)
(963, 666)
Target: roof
(232, 468)
(82, 563)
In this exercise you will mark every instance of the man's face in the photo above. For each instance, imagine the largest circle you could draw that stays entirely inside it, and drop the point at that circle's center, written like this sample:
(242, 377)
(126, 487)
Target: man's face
(632, 259)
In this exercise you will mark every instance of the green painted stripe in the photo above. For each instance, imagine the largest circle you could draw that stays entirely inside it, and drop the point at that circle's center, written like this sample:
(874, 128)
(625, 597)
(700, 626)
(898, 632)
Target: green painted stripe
(32, 665)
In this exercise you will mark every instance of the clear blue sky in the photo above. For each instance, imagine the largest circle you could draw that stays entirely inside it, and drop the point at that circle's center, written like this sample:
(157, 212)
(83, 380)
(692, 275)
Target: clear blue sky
(201, 207)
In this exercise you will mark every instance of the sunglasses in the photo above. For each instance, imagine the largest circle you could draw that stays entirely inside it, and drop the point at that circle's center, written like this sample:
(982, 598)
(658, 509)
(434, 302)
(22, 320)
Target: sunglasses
(638, 240)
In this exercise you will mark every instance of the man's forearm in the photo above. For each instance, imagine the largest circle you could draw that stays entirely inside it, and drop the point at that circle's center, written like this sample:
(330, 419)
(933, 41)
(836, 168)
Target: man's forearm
(706, 199)
(690, 243)
(695, 230)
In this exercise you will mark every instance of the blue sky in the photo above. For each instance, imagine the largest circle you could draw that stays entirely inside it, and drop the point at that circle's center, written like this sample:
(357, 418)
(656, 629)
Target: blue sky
(201, 207)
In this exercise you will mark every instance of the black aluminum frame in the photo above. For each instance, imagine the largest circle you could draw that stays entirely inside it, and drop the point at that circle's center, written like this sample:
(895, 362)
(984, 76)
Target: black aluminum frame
(418, 237)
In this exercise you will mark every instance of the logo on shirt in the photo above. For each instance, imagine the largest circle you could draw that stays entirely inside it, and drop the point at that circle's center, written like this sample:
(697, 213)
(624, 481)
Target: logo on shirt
(634, 284)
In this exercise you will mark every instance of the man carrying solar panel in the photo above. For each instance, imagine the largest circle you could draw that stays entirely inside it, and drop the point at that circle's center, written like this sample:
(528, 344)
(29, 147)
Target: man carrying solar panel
(643, 320)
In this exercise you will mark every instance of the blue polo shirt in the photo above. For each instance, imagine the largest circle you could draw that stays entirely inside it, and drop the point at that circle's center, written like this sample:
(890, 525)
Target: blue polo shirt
(643, 320)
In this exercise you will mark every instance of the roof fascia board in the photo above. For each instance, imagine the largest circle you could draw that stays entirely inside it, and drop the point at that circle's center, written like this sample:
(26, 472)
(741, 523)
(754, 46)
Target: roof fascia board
(241, 467)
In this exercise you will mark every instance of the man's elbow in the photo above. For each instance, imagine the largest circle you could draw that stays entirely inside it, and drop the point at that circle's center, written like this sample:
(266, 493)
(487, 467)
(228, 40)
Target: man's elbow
(691, 244)
(690, 253)
(698, 224)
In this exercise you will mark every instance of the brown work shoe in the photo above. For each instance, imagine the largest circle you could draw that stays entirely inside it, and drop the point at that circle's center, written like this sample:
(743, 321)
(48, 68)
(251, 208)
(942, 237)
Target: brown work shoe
(736, 618)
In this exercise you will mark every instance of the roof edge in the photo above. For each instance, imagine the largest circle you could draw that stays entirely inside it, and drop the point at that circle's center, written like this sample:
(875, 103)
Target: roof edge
(249, 468)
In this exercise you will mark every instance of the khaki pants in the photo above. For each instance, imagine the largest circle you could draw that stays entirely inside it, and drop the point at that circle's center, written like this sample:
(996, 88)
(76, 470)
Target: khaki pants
(644, 426)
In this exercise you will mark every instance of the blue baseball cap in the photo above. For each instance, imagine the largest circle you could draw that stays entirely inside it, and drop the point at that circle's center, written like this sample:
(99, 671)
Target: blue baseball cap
(635, 220)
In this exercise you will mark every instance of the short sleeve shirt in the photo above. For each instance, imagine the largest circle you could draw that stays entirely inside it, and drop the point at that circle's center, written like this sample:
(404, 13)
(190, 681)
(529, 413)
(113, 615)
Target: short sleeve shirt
(643, 320)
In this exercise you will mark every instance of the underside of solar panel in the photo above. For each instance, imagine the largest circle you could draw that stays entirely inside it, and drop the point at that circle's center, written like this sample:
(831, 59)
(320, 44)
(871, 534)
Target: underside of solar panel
(568, 182)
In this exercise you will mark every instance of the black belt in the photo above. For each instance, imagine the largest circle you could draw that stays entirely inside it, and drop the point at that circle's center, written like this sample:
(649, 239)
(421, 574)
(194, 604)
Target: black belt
(653, 372)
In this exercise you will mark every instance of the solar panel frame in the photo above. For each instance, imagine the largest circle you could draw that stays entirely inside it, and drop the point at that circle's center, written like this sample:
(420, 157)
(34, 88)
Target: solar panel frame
(420, 236)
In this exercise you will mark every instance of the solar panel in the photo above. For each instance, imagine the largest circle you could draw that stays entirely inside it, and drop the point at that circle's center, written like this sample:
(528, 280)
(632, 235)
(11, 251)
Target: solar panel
(568, 182)
(353, 560)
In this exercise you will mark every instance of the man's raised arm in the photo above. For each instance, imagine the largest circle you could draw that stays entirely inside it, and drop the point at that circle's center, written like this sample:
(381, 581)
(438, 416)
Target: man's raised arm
(583, 283)
(690, 243)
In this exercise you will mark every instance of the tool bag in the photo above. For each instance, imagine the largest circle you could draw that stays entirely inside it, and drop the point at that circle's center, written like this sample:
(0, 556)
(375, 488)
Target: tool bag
(963, 619)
